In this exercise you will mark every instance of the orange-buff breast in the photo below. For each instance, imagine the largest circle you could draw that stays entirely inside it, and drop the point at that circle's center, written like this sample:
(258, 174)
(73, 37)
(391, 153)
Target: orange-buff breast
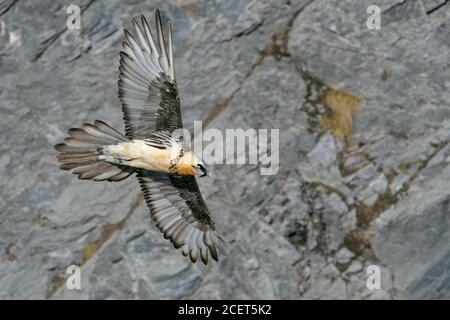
(185, 169)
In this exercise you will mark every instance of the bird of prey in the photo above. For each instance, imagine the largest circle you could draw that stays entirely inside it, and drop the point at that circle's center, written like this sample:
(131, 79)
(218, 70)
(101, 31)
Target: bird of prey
(163, 164)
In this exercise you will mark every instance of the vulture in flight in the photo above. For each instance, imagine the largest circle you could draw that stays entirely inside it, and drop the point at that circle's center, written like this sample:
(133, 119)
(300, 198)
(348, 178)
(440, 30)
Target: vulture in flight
(150, 149)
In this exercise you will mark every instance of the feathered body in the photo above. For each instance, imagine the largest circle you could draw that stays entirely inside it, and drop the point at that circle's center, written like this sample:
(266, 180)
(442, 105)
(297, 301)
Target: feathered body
(140, 154)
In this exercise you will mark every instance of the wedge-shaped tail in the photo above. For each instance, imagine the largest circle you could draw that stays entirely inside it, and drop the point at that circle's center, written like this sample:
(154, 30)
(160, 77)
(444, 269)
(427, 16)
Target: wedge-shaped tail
(82, 150)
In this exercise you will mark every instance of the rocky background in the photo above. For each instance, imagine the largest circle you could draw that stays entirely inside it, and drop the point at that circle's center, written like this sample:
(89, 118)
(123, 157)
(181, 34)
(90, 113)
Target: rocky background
(364, 154)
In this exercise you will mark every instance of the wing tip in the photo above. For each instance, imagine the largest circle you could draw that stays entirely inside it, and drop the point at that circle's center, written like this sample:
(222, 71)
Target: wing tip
(128, 34)
(124, 55)
(211, 247)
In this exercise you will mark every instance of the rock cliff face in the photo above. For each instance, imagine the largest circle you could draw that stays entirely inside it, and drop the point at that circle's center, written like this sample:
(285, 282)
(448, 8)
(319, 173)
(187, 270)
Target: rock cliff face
(364, 154)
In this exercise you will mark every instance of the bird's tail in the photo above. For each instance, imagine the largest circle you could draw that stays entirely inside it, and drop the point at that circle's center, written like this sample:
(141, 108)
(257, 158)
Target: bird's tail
(82, 149)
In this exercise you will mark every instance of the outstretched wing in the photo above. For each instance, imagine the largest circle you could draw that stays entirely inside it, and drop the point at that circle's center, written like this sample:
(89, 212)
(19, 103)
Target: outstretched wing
(178, 210)
(150, 103)
(147, 87)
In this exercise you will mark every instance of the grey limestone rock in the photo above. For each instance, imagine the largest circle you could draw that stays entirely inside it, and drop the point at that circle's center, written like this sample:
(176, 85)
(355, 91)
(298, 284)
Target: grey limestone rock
(363, 118)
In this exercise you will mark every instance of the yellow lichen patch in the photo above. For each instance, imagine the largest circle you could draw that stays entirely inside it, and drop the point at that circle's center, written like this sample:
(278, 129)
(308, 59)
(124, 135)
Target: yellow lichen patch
(191, 7)
(188, 6)
(89, 250)
(342, 107)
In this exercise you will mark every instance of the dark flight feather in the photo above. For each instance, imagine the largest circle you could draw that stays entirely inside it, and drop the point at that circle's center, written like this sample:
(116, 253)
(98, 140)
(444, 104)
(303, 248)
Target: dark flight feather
(147, 86)
(180, 213)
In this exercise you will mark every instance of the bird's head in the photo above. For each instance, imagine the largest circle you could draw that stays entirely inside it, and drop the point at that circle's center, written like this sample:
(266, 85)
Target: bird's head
(189, 164)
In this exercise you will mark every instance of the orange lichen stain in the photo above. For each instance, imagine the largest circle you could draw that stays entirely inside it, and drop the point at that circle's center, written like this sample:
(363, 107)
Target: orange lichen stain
(342, 108)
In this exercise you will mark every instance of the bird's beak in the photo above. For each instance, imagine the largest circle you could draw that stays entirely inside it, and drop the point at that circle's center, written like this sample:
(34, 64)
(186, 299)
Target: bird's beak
(203, 169)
